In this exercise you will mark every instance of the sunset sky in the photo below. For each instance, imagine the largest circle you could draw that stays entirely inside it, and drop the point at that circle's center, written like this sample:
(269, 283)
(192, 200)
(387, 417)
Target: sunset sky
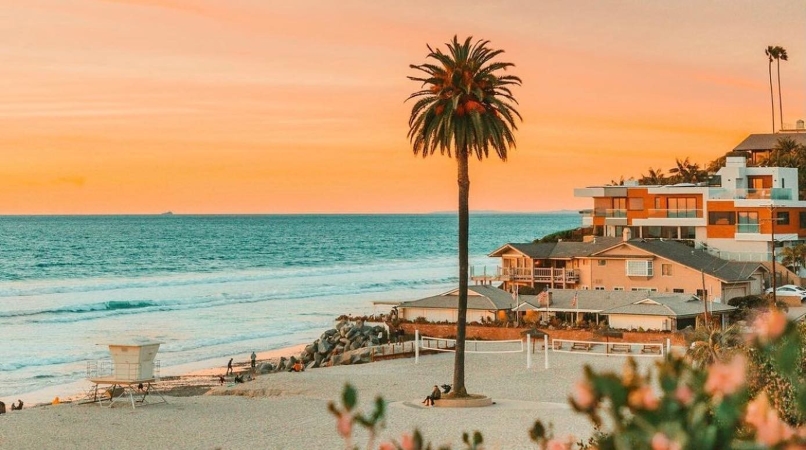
(258, 106)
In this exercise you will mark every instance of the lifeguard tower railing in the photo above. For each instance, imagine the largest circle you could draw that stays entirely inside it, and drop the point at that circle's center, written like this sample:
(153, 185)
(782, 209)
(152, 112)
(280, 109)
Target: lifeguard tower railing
(106, 368)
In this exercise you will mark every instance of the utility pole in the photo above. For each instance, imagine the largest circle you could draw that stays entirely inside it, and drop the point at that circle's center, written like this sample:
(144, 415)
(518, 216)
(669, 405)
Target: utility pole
(773, 220)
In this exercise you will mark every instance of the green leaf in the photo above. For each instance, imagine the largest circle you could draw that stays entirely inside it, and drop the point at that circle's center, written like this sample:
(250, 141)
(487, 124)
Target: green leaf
(349, 397)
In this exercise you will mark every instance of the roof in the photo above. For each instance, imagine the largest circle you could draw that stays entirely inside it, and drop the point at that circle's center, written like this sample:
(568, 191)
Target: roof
(680, 305)
(587, 300)
(698, 259)
(768, 141)
(559, 250)
(483, 297)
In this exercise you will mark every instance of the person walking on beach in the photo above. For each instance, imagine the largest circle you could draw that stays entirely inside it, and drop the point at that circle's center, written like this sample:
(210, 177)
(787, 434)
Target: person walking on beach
(254, 360)
(229, 368)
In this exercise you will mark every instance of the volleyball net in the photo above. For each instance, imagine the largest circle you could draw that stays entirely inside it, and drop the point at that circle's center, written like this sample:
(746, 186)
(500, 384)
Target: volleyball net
(472, 346)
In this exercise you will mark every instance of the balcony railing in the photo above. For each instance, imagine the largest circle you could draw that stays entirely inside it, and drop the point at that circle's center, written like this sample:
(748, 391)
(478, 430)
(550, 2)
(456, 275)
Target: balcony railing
(753, 194)
(541, 275)
(602, 212)
(675, 213)
(748, 228)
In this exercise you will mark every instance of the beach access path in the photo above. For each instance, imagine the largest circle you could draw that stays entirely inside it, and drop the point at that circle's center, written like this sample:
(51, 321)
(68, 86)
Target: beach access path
(289, 410)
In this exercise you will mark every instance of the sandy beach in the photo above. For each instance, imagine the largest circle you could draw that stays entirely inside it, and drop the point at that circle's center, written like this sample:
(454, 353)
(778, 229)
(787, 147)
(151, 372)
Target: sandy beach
(289, 410)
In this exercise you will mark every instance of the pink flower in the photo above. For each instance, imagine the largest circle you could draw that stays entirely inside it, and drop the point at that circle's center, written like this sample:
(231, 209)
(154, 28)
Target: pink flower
(684, 394)
(770, 429)
(726, 378)
(770, 326)
(583, 395)
(344, 425)
(557, 444)
(662, 442)
(407, 442)
(643, 398)
(387, 446)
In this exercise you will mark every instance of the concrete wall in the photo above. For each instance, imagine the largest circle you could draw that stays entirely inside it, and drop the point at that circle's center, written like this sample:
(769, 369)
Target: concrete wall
(443, 315)
(630, 322)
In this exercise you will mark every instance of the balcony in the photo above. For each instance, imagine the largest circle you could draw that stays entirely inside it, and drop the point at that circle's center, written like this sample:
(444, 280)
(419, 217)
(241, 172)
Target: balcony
(617, 213)
(751, 194)
(539, 275)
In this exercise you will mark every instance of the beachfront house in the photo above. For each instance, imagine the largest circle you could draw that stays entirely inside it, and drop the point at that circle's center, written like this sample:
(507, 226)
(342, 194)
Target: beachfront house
(484, 303)
(613, 264)
(664, 313)
(627, 310)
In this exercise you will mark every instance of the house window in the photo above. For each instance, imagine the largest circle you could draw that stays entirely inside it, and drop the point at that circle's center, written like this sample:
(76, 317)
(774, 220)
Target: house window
(652, 232)
(602, 262)
(802, 219)
(618, 288)
(748, 222)
(619, 207)
(666, 270)
(598, 288)
(687, 233)
(636, 204)
(783, 218)
(678, 291)
(682, 207)
(635, 289)
(721, 218)
(639, 268)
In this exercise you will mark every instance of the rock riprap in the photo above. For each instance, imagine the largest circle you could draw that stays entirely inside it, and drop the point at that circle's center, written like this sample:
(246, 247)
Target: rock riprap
(347, 343)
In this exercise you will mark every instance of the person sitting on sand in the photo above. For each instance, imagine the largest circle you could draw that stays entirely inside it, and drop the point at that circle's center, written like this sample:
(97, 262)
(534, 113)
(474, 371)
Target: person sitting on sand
(297, 366)
(16, 407)
(2, 408)
(221, 380)
(436, 394)
(239, 378)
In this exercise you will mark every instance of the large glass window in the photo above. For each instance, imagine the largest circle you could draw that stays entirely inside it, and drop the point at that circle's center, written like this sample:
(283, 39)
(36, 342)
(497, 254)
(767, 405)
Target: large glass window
(802, 219)
(747, 222)
(688, 233)
(682, 207)
(783, 218)
(619, 207)
(652, 232)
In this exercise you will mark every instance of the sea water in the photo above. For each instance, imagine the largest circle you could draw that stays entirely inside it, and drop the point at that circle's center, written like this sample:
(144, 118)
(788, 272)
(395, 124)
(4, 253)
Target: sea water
(210, 287)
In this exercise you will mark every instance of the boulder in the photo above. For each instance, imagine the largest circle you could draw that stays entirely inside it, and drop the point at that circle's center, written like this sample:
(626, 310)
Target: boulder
(324, 347)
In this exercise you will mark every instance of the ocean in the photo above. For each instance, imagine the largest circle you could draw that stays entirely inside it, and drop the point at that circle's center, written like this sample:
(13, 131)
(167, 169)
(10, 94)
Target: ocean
(212, 287)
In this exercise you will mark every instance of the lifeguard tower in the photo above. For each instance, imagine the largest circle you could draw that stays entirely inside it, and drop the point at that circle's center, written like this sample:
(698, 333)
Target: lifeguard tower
(132, 370)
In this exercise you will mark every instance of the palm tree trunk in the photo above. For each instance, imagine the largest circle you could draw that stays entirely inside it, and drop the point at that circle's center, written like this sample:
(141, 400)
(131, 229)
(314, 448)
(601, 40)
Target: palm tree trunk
(780, 106)
(772, 98)
(464, 234)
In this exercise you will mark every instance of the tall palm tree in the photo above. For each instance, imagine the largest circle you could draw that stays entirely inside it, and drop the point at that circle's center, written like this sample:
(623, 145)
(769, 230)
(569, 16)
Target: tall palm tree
(769, 52)
(779, 53)
(464, 106)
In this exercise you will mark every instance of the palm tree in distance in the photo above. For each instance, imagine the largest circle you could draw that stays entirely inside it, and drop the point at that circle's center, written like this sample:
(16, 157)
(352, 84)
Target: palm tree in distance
(769, 52)
(779, 53)
(464, 106)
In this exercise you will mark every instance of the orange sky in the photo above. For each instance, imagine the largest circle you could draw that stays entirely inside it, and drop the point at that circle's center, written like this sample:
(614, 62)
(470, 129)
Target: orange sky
(256, 106)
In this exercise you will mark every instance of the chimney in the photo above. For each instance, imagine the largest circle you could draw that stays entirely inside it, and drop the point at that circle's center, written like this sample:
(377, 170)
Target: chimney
(626, 235)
